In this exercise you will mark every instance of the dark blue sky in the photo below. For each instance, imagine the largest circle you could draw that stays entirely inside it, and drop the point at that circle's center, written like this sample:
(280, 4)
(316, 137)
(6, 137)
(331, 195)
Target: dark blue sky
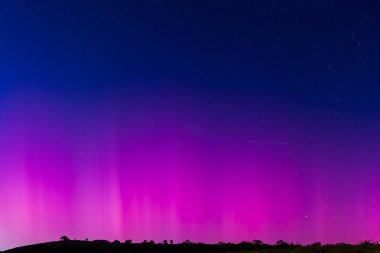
(322, 56)
(323, 48)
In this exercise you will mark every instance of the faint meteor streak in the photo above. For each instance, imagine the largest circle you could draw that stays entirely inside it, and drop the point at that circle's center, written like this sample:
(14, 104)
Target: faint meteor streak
(274, 142)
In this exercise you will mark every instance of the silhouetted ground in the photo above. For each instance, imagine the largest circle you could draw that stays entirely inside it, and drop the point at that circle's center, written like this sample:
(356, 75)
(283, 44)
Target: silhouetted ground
(100, 246)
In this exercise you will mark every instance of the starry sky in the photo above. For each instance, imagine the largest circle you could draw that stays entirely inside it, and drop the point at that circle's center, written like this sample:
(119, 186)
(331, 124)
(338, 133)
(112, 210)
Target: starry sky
(203, 120)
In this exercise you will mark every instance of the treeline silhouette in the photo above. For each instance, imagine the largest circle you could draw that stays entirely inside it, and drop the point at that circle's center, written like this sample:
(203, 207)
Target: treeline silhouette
(72, 246)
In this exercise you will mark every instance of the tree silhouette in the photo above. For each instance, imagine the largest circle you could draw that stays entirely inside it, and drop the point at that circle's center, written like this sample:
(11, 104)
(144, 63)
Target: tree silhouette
(257, 242)
(64, 238)
(281, 243)
(365, 242)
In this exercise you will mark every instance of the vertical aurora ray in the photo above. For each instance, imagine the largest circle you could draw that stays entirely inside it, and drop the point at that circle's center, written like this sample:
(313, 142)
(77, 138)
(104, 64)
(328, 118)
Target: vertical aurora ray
(141, 173)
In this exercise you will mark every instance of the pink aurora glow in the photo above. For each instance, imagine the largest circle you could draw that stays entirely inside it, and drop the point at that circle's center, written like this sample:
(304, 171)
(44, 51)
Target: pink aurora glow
(113, 170)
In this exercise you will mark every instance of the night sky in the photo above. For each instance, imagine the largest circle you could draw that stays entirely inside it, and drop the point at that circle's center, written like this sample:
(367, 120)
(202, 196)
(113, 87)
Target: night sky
(201, 120)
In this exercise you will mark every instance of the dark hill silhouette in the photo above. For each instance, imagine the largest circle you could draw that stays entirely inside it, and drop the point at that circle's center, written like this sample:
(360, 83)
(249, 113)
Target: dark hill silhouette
(65, 245)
